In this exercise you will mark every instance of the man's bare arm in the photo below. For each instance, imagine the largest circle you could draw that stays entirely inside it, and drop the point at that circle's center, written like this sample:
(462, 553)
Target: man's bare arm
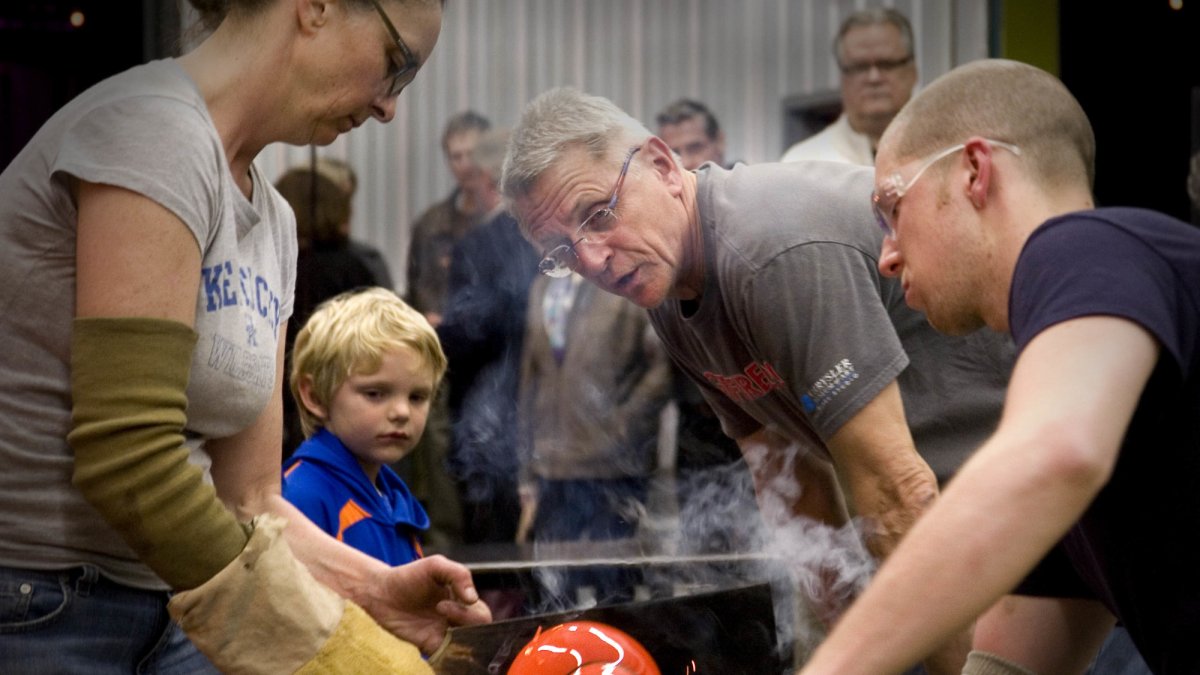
(1072, 394)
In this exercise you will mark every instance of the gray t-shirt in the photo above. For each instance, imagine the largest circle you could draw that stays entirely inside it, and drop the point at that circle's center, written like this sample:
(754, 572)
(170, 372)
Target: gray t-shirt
(147, 130)
(797, 330)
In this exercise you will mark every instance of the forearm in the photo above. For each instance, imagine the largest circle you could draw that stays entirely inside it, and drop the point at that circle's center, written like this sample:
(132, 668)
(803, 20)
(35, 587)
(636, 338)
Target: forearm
(416, 602)
(897, 503)
(128, 381)
(888, 505)
(948, 569)
(888, 484)
(352, 574)
(791, 482)
(1069, 402)
(245, 470)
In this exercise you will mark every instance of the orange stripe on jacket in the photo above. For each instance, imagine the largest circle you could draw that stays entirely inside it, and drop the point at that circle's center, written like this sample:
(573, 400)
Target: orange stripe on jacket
(292, 468)
(350, 514)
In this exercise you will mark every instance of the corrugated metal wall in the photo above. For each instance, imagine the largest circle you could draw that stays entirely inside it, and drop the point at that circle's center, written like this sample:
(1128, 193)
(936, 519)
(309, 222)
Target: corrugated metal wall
(741, 57)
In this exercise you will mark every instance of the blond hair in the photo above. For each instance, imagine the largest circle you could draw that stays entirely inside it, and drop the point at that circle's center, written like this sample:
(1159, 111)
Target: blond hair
(349, 334)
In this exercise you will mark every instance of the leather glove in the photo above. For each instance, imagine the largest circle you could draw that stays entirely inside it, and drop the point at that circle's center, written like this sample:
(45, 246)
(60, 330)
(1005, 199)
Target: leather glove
(265, 614)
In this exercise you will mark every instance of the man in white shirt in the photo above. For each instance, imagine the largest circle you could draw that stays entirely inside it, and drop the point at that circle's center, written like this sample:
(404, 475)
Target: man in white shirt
(874, 51)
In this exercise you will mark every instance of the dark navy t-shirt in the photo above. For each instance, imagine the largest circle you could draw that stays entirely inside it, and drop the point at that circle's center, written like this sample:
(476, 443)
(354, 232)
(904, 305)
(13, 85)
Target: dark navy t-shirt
(1135, 548)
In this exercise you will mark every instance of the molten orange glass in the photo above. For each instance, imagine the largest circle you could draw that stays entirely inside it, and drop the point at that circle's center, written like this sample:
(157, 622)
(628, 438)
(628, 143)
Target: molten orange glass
(584, 647)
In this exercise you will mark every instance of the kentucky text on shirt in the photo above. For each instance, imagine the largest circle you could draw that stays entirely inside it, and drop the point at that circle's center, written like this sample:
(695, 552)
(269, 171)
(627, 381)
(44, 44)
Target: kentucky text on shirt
(220, 292)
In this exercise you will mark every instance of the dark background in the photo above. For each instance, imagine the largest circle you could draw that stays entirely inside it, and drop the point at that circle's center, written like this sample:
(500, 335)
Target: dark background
(45, 61)
(1133, 65)
(1135, 71)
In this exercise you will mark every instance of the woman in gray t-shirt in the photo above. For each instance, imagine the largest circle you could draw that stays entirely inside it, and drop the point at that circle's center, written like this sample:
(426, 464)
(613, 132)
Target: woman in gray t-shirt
(146, 277)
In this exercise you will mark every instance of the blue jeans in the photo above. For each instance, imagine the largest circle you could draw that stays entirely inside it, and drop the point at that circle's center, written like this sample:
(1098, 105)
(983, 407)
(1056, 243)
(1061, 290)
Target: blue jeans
(76, 621)
(1118, 656)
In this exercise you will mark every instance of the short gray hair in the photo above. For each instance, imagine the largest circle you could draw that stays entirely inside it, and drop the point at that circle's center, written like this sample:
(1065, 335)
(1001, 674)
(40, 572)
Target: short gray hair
(558, 121)
(874, 17)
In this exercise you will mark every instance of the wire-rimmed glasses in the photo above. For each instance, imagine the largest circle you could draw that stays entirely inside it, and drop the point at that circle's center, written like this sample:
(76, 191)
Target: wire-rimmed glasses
(562, 259)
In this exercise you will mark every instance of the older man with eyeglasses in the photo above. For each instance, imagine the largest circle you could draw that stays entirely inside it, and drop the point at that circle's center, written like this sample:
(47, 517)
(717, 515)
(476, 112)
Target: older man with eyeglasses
(762, 282)
(874, 52)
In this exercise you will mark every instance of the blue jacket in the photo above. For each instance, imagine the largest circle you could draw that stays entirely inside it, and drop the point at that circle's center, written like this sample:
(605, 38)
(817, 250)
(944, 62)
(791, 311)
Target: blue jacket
(325, 481)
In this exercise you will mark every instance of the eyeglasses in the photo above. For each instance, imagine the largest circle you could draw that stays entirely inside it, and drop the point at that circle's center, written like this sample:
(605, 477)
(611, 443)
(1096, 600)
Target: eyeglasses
(864, 67)
(593, 230)
(886, 197)
(402, 74)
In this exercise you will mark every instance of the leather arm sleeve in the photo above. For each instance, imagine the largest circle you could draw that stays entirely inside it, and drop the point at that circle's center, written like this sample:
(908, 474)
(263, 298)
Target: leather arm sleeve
(128, 382)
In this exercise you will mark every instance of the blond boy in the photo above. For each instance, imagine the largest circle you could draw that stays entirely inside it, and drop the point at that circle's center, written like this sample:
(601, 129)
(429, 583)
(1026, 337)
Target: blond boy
(365, 367)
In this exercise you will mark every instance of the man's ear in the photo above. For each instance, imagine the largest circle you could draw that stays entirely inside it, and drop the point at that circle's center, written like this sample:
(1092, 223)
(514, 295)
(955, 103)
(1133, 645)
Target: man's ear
(313, 14)
(662, 160)
(977, 154)
(309, 398)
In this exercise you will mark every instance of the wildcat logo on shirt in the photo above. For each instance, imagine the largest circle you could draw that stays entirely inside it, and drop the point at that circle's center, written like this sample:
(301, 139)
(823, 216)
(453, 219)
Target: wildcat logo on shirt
(831, 384)
(755, 381)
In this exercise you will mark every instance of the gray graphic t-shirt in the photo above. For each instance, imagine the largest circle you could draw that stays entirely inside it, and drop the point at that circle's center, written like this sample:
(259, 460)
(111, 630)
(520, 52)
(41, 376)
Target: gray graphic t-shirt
(797, 329)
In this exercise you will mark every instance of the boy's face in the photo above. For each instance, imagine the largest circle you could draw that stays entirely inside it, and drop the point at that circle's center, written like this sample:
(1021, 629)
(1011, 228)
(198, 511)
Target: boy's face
(380, 416)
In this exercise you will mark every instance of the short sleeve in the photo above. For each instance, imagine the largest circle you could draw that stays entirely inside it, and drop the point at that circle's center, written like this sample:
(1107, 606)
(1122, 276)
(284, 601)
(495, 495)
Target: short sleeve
(831, 337)
(1077, 267)
(162, 147)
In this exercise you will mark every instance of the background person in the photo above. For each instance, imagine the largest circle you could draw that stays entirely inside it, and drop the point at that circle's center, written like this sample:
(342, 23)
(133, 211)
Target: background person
(147, 277)
(343, 174)
(762, 283)
(1086, 492)
(441, 226)
(874, 52)
(692, 131)
(365, 368)
(325, 264)
(594, 380)
(433, 237)
(483, 333)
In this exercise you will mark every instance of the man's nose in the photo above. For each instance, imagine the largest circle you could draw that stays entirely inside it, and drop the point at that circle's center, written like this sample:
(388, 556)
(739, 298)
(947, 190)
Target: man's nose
(383, 108)
(592, 258)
